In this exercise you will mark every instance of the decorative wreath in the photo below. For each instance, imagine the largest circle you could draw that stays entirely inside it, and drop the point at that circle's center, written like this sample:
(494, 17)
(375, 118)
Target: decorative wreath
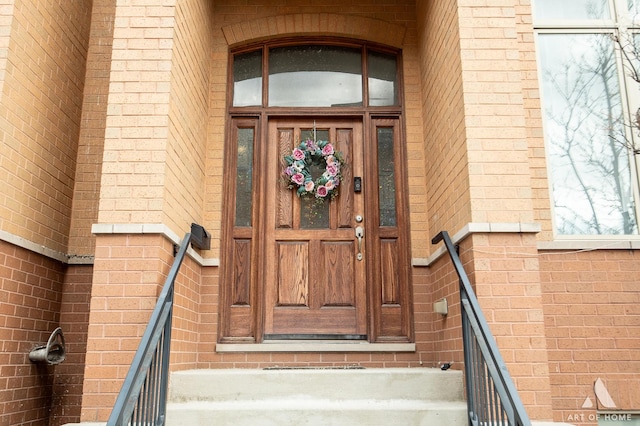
(299, 176)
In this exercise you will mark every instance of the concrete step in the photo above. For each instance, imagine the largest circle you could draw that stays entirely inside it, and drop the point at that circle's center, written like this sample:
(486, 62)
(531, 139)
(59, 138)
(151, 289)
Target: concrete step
(389, 383)
(317, 413)
(417, 396)
(317, 397)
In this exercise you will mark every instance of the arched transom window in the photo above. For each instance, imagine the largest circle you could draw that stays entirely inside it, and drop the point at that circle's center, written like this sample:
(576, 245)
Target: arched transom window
(315, 75)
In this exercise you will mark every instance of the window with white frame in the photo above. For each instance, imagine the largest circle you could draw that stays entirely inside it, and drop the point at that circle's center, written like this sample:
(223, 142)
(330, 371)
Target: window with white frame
(587, 55)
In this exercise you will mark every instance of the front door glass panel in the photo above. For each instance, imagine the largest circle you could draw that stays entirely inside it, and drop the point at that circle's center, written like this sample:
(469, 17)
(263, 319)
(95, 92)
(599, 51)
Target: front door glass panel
(314, 214)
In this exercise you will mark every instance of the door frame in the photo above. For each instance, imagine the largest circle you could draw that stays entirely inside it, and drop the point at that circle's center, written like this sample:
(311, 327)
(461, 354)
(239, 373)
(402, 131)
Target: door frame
(389, 290)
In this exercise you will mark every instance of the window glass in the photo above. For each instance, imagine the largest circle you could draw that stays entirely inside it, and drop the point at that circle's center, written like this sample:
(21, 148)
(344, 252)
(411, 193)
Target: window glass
(314, 215)
(386, 177)
(382, 70)
(587, 146)
(544, 10)
(247, 79)
(244, 177)
(633, 7)
(321, 76)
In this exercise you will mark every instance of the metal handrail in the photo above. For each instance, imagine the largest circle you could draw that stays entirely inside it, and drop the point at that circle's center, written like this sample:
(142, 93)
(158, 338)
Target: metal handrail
(492, 398)
(143, 397)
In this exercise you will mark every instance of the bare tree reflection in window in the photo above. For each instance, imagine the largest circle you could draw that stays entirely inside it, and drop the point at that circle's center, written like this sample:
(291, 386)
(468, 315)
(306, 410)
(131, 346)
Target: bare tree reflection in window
(584, 123)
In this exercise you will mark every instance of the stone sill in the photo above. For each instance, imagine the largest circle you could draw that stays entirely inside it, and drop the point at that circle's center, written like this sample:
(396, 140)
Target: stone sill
(309, 346)
(626, 243)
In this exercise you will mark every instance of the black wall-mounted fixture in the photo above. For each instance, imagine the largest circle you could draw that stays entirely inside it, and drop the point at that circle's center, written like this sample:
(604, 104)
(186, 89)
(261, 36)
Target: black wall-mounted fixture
(357, 184)
(54, 352)
(200, 238)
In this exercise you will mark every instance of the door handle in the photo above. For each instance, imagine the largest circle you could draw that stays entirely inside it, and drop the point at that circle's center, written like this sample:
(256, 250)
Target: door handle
(359, 236)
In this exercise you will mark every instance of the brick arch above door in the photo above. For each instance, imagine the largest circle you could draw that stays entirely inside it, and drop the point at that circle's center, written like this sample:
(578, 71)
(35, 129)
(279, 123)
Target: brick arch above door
(316, 24)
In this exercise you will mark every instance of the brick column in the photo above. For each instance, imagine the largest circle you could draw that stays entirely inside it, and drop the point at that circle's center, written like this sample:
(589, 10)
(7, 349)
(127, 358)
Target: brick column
(129, 271)
(505, 271)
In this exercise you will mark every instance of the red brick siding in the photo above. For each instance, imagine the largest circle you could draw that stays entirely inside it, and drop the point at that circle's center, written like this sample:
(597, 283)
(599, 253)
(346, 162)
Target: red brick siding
(128, 275)
(592, 323)
(74, 320)
(30, 298)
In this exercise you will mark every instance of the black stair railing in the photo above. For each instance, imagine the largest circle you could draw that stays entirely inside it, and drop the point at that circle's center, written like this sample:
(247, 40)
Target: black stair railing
(143, 397)
(492, 398)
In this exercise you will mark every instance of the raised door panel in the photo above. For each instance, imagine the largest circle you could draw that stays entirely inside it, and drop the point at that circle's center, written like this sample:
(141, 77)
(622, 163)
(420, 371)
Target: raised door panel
(293, 274)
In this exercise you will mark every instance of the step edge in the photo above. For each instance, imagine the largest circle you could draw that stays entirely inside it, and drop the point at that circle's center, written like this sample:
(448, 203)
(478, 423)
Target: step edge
(319, 404)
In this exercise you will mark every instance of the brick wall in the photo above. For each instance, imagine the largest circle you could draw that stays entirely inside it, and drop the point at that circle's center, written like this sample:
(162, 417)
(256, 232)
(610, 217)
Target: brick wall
(506, 277)
(532, 117)
(66, 398)
(592, 321)
(215, 134)
(187, 322)
(134, 169)
(474, 112)
(6, 19)
(158, 106)
(191, 62)
(129, 271)
(208, 321)
(91, 137)
(40, 118)
(446, 334)
(43, 66)
(285, 15)
(30, 298)
(494, 114)
(443, 111)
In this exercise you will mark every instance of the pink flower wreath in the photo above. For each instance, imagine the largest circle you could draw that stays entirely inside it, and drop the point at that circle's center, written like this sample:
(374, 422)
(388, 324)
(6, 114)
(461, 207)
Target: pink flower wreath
(299, 177)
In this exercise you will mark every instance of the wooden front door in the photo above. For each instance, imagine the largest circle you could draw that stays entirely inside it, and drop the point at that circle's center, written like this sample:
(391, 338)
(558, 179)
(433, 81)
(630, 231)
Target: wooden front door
(314, 252)
(294, 268)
